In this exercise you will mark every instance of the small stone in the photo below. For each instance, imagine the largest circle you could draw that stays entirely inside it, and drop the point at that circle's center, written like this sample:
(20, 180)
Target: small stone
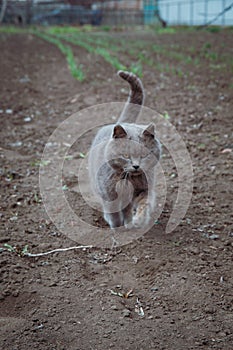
(227, 243)
(53, 284)
(194, 250)
(154, 289)
(126, 313)
(114, 307)
(16, 144)
(15, 293)
(6, 293)
(214, 236)
(56, 328)
(209, 310)
(104, 284)
(27, 119)
(4, 239)
(24, 79)
(222, 334)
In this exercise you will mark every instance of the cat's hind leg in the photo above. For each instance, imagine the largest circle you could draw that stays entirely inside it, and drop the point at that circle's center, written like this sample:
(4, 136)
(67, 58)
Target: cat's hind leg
(142, 211)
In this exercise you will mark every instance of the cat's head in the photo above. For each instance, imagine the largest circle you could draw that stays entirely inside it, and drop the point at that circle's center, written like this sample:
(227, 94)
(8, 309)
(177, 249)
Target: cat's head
(133, 149)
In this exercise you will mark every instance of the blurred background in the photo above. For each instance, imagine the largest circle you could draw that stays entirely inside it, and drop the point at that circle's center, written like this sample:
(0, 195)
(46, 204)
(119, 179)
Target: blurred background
(117, 12)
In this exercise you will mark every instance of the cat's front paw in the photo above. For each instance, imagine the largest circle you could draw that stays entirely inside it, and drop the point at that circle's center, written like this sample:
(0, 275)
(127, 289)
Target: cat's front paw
(129, 225)
(139, 222)
(142, 216)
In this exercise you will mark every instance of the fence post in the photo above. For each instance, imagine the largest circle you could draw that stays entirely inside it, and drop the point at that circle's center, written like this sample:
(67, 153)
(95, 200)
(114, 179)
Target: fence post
(223, 16)
(206, 12)
(167, 12)
(178, 13)
(191, 12)
(28, 10)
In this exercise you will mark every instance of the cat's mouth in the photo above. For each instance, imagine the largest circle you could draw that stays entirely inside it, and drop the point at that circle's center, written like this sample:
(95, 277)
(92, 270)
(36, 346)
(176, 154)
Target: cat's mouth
(135, 172)
(132, 172)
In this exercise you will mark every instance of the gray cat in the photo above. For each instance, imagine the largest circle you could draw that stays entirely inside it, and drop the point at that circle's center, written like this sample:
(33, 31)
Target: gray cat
(122, 162)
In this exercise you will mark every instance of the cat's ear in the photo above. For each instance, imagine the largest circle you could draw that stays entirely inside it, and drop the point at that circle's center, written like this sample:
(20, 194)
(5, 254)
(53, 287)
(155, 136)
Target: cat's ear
(149, 132)
(119, 132)
(149, 138)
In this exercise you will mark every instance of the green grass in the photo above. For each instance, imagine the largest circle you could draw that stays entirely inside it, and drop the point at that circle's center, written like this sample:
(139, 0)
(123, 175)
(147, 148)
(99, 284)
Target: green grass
(166, 30)
(105, 53)
(12, 30)
(128, 54)
(68, 29)
(92, 49)
(101, 40)
(213, 29)
(76, 71)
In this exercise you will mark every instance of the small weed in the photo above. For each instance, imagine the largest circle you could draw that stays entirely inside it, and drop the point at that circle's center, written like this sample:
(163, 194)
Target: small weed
(99, 51)
(87, 28)
(158, 49)
(213, 29)
(166, 115)
(25, 250)
(36, 198)
(168, 52)
(12, 30)
(106, 28)
(75, 70)
(218, 66)
(201, 146)
(17, 250)
(206, 46)
(63, 30)
(110, 59)
(166, 31)
(157, 222)
(147, 60)
(40, 163)
(69, 157)
(192, 88)
(207, 53)
(136, 68)
(9, 247)
(82, 155)
(213, 56)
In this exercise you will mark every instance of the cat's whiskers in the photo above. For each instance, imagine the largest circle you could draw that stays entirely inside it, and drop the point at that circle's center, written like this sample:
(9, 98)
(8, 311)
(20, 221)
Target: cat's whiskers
(125, 175)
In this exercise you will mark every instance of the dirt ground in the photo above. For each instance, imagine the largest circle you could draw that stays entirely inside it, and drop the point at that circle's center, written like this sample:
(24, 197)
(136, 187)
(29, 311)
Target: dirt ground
(183, 280)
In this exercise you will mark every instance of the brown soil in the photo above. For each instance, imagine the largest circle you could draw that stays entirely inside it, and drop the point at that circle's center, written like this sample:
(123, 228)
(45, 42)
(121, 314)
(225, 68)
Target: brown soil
(183, 280)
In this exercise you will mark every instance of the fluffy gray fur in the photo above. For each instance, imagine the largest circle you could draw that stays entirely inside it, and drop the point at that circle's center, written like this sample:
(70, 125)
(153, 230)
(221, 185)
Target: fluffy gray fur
(122, 162)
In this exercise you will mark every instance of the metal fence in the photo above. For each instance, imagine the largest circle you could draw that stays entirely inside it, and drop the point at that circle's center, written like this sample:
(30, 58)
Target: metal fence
(198, 12)
(118, 12)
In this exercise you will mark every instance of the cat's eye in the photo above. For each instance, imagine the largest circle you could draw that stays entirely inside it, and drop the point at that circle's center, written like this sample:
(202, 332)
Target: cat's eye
(126, 156)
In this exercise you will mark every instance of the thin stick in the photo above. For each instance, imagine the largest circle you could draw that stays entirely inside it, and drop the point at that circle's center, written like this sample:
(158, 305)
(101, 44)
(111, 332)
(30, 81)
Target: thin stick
(58, 250)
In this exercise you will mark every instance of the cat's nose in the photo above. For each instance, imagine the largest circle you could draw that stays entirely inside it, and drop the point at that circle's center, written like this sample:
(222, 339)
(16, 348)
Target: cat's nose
(136, 167)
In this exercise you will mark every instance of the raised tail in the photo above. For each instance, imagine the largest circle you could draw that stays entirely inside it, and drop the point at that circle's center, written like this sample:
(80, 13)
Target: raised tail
(135, 100)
